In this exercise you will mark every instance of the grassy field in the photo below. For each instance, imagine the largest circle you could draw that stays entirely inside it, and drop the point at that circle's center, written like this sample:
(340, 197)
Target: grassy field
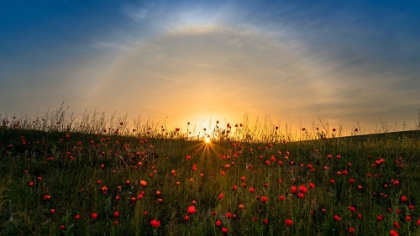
(59, 183)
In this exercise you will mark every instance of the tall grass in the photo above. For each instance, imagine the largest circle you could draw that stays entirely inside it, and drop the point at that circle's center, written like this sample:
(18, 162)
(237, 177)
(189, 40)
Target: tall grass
(58, 171)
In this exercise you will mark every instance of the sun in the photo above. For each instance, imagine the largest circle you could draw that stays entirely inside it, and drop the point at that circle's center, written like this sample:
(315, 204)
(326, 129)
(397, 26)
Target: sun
(207, 140)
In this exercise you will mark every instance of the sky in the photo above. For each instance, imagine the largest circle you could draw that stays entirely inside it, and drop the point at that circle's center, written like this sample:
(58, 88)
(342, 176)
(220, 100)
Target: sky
(350, 63)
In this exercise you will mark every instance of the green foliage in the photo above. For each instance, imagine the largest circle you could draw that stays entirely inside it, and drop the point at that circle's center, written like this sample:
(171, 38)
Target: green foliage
(74, 168)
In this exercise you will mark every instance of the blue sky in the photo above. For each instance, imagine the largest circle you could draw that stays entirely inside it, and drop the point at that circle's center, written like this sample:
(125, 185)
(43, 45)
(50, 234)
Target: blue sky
(346, 61)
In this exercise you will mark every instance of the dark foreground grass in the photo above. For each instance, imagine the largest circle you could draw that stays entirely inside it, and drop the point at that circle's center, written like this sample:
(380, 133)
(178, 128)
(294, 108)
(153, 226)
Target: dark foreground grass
(54, 183)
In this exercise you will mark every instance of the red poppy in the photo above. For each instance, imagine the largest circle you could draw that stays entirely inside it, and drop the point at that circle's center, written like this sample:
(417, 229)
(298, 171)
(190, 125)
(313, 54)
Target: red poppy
(337, 218)
(303, 189)
(191, 210)
(393, 233)
(288, 222)
(264, 199)
(265, 221)
(155, 223)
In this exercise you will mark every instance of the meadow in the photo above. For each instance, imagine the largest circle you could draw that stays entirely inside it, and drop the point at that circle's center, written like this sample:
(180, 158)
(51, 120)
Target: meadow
(60, 178)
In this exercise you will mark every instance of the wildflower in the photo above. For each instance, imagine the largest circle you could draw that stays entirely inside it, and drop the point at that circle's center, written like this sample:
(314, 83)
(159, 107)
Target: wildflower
(94, 216)
(403, 198)
(303, 189)
(265, 221)
(293, 189)
(218, 223)
(288, 222)
(351, 230)
(143, 183)
(282, 198)
(155, 223)
(396, 225)
(191, 210)
(393, 233)
(337, 218)
(264, 199)
(221, 196)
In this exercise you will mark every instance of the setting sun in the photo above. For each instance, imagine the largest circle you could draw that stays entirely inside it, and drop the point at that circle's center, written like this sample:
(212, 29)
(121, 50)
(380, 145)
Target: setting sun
(207, 140)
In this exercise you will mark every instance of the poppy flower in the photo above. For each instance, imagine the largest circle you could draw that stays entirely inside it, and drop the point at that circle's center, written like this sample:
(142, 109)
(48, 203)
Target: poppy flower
(393, 233)
(155, 223)
(264, 199)
(288, 222)
(282, 198)
(218, 223)
(337, 218)
(94, 216)
(143, 183)
(303, 189)
(351, 230)
(221, 196)
(265, 221)
(191, 210)
(293, 189)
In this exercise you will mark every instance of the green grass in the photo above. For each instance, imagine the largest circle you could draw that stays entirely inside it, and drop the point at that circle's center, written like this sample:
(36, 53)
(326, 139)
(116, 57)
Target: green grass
(68, 169)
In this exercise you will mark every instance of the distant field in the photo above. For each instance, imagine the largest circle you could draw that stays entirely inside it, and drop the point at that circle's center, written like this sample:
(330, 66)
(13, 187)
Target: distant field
(58, 183)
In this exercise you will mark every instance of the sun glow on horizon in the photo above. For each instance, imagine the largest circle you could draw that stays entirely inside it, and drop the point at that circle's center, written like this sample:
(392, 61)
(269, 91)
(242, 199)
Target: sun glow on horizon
(207, 140)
